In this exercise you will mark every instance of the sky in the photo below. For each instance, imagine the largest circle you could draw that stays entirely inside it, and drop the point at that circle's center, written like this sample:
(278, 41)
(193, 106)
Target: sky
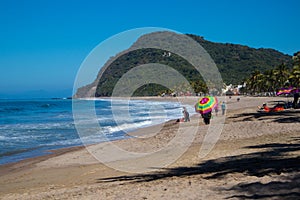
(44, 42)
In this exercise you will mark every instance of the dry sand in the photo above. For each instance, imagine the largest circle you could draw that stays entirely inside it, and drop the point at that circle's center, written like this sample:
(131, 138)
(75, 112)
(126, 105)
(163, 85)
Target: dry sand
(255, 157)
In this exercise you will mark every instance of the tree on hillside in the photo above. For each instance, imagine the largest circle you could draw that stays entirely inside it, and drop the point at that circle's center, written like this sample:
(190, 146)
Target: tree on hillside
(271, 80)
(281, 74)
(254, 83)
(295, 74)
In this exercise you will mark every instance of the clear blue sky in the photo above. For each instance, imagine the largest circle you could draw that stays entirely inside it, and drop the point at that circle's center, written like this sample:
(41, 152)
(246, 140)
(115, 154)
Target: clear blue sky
(43, 42)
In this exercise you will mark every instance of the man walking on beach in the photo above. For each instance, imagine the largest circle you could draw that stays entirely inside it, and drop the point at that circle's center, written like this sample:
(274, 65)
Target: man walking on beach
(186, 115)
(223, 107)
(206, 118)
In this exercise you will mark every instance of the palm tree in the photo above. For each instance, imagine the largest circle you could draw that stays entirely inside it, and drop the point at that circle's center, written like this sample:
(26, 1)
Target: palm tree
(295, 76)
(199, 86)
(296, 58)
(254, 83)
(281, 74)
(269, 81)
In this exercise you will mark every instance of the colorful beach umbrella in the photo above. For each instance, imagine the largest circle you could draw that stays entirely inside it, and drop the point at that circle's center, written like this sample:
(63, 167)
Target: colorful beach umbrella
(206, 104)
(290, 90)
(297, 90)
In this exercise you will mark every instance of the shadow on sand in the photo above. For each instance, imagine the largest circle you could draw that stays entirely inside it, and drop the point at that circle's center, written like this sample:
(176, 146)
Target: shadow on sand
(270, 159)
(287, 116)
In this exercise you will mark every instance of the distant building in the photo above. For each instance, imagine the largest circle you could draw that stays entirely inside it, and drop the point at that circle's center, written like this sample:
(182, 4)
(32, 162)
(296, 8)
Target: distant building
(232, 90)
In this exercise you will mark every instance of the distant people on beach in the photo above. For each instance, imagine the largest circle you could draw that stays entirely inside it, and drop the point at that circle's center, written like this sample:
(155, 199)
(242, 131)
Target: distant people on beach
(216, 109)
(206, 117)
(266, 108)
(223, 106)
(288, 105)
(186, 115)
(263, 107)
(296, 98)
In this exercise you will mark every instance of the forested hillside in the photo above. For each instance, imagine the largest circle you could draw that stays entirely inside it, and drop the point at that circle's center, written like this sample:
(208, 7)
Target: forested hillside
(235, 63)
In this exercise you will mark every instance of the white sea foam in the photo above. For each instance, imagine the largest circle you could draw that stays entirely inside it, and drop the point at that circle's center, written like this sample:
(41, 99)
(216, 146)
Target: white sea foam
(37, 126)
(3, 138)
(68, 142)
(129, 126)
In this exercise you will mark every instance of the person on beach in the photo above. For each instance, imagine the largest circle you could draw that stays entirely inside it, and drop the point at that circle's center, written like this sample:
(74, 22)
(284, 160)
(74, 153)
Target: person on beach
(186, 115)
(263, 107)
(206, 118)
(217, 110)
(276, 108)
(295, 102)
(223, 106)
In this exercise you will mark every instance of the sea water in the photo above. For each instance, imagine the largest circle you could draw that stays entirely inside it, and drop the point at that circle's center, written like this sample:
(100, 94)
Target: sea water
(32, 127)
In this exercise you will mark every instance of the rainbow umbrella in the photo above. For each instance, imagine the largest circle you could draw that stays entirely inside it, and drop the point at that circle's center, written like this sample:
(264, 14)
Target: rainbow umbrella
(289, 90)
(206, 104)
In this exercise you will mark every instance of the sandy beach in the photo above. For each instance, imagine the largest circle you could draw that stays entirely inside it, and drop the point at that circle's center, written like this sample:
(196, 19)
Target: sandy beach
(256, 156)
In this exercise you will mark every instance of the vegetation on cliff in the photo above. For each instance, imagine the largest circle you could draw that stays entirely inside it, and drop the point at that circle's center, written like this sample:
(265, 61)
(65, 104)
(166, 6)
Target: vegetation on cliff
(235, 62)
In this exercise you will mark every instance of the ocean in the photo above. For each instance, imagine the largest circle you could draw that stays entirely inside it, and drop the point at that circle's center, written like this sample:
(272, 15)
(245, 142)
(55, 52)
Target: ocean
(32, 127)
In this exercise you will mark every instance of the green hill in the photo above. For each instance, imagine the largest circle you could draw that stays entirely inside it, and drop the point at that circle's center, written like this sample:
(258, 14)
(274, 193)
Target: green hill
(235, 63)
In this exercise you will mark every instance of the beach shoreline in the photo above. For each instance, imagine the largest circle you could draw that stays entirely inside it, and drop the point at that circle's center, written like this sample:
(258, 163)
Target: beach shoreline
(55, 152)
(72, 171)
(50, 150)
(186, 100)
